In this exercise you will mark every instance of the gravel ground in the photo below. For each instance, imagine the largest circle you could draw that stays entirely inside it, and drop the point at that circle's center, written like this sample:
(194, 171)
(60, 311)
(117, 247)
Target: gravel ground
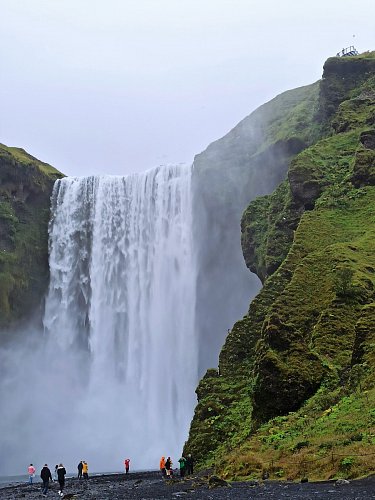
(150, 486)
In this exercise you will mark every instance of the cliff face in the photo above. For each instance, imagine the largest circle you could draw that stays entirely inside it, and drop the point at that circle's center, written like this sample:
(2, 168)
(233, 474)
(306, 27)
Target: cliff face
(25, 189)
(305, 346)
(249, 161)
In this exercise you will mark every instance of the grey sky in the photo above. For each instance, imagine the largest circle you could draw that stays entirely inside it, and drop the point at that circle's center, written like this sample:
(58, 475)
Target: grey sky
(111, 86)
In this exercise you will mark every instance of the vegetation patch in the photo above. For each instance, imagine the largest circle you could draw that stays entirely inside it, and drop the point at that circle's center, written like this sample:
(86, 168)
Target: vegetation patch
(305, 351)
(25, 189)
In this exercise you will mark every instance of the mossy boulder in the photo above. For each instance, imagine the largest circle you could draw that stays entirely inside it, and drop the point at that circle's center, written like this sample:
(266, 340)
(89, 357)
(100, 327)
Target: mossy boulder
(364, 164)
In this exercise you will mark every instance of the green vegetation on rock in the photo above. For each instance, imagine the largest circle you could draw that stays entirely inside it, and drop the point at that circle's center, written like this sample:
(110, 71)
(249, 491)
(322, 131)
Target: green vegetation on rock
(302, 363)
(25, 190)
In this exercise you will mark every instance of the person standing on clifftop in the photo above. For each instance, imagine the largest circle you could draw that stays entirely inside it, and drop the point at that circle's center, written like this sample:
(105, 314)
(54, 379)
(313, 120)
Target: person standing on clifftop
(45, 475)
(127, 464)
(31, 472)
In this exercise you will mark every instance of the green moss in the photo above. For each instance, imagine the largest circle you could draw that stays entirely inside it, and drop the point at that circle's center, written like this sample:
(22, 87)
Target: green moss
(306, 348)
(219, 421)
(25, 189)
(297, 121)
(314, 441)
(267, 228)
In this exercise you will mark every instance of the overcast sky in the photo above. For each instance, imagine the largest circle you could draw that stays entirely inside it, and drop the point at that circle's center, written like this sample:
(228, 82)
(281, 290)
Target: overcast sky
(117, 86)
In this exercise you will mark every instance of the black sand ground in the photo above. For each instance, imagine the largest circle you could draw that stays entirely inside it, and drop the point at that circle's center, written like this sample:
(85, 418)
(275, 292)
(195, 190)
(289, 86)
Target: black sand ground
(150, 486)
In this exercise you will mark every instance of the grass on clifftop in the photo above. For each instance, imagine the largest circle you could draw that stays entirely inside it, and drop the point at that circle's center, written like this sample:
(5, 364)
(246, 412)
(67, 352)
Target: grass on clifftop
(20, 156)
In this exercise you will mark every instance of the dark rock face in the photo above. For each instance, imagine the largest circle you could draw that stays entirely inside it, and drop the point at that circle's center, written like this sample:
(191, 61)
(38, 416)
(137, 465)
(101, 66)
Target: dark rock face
(364, 168)
(367, 139)
(283, 386)
(363, 351)
(364, 165)
(305, 190)
(25, 190)
(267, 228)
(340, 76)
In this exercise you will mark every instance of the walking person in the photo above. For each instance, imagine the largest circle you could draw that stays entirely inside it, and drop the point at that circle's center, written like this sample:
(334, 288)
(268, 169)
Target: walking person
(80, 467)
(55, 473)
(45, 475)
(127, 465)
(85, 470)
(61, 478)
(31, 472)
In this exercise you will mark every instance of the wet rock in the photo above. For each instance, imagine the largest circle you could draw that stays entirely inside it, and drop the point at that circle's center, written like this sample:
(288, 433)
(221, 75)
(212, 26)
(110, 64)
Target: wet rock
(340, 482)
(216, 482)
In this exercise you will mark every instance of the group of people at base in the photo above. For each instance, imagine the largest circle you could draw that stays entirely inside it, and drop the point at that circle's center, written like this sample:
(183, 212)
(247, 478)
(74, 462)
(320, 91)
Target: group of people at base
(58, 475)
(83, 470)
(186, 466)
(46, 477)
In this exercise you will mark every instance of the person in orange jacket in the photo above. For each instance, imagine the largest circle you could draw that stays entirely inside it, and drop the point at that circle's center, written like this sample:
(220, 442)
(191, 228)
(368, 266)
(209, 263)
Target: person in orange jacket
(162, 466)
(85, 470)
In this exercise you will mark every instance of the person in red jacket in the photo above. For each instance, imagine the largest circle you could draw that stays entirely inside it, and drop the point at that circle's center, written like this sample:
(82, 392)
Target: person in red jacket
(31, 473)
(127, 464)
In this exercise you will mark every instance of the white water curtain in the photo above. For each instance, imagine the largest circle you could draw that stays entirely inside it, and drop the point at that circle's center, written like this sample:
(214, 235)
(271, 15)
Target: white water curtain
(119, 315)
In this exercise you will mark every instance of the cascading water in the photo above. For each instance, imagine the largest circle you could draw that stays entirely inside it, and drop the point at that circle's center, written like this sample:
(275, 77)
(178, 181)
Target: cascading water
(119, 315)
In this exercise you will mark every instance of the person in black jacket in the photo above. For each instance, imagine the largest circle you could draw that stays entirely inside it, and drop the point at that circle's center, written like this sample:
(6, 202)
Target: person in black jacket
(189, 464)
(45, 475)
(61, 478)
(80, 467)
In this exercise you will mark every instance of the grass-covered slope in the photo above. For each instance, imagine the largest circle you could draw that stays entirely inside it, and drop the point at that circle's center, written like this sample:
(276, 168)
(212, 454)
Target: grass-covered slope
(295, 393)
(249, 161)
(25, 189)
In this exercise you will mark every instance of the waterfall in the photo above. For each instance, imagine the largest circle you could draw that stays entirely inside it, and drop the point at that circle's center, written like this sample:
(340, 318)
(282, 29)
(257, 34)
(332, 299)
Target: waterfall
(120, 314)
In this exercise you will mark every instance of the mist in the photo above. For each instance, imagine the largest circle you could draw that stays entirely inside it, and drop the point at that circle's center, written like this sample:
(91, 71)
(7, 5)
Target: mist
(113, 372)
(146, 278)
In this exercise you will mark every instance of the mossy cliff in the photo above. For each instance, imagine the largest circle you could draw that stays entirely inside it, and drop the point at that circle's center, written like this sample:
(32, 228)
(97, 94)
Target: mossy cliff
(25, 189)
(249, 161)
(294, 393)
